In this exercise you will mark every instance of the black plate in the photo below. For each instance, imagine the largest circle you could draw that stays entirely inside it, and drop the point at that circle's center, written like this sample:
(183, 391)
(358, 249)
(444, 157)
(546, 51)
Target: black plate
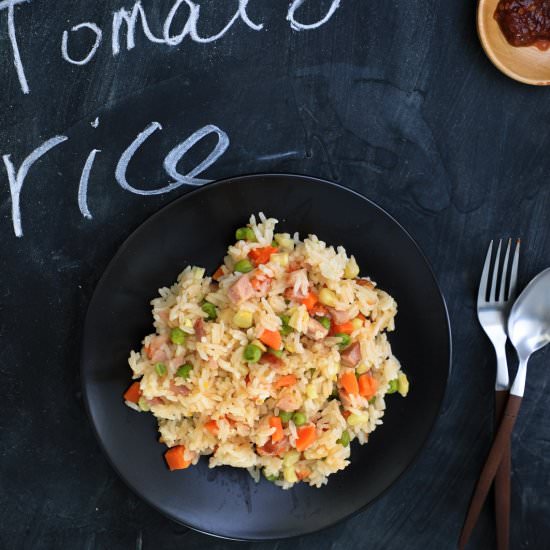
(196, 229)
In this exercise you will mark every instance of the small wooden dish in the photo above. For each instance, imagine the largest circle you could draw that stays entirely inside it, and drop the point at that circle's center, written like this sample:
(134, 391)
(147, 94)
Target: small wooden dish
(525, 64)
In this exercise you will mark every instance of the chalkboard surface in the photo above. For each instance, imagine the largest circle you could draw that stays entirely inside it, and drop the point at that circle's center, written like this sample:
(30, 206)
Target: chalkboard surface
(111, 109)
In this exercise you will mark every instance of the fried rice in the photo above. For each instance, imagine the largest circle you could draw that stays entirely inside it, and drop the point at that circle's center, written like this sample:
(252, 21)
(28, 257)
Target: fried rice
(275, 363)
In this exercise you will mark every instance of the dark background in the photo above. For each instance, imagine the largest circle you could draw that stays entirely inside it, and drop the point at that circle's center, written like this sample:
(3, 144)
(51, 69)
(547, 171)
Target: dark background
(393, 99)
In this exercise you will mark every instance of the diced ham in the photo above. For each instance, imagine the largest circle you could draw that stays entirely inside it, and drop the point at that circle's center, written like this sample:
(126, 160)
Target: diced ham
(154, 349)
(155, 401)
(351, 355)
(241, 290)
(316, 330)
(365, 282)
(270, 359)
(289, 401)
(181, 390)
(199, 328)
(339, 317)
(274, 449)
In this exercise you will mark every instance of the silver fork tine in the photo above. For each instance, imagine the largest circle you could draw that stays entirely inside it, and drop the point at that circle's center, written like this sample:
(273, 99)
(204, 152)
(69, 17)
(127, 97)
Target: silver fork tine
(504, 272)
(482, 292)
(514, 274)
(495, 273)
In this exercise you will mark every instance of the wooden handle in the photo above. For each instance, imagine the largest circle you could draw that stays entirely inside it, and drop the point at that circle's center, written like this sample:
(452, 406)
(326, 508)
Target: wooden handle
(502, 440)
(502, 481)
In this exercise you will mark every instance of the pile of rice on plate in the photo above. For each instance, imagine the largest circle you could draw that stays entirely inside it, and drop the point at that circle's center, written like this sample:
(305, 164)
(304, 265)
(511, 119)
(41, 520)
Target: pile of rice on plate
(274, 364)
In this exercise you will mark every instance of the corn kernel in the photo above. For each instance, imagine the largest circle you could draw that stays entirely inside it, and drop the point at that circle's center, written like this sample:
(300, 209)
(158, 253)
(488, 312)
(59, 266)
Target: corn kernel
(280, 258)
(243, 319)
(291, 458)
(187, 323)
(351, 270)
(311, 392)
(290, 475)
(402, 384)
(356, 419)
(327, 297)
(357, 323)
(284, 241)
(362, 368)
(259, 344)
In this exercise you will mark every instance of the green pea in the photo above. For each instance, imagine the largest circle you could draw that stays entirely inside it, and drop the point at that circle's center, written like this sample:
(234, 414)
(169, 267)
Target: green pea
(276, 352)
(210, 310)
(285, 330)
(184, 371)
(177, 336)
(345, 439)
(325, 321)
(244, 266)
(393, 386)
(252, 353)
(143, 404)
(299, 418)
(271, 478)
(245, 234)
(345, 340)
(160, 369)
(285, 416)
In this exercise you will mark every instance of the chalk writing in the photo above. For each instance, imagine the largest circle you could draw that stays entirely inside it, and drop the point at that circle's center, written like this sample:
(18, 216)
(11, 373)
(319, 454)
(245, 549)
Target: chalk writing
(129, 19)
(83, 187)
(172, 159)
(65, 38)
(16, 180)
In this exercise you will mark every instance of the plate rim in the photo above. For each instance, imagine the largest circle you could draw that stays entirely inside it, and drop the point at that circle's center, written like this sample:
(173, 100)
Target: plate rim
(198, 190)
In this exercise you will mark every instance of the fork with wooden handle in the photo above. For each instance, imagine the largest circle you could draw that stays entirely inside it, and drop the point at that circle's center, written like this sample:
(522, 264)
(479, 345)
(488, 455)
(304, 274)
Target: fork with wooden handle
(492, 312)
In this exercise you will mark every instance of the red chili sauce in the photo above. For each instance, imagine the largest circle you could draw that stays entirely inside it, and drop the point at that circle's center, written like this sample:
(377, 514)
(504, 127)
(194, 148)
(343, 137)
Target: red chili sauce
(525, 22)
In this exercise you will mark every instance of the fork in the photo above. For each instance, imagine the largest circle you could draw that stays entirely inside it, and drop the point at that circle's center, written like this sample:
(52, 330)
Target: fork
(492, 313)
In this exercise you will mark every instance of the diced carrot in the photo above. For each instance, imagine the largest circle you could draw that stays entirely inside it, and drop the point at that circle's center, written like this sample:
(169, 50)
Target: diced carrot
(261, 255)
(362, 317)
(306, 437)
(175, 458)
(367, 385)
(277, 435)
(272, 338)
(212, 427)
(218, 274)
(310, 300)
(346, 414)
(349, 382)
(270, 359)
(133, 393)
(288, 380)
(344, 328)
(319, 309)
(303, 474)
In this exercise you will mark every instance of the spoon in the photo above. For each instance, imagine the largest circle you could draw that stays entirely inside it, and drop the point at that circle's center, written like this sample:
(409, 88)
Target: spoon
(529, 331)
(525, 64)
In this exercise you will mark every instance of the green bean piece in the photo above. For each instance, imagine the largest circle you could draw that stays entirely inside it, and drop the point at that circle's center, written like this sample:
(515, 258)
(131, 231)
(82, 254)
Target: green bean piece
(184, 371)
(244, 266)
(245, 234)
(299, 418)
(177, 336)
(345, 439)
(252, 353)
(325, 321)
(210, 310)
(160, 369)
(345, 340)
(285, 416)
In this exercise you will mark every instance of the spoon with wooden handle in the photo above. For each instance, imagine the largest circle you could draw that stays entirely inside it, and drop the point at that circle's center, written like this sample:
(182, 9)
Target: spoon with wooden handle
(529, 331)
